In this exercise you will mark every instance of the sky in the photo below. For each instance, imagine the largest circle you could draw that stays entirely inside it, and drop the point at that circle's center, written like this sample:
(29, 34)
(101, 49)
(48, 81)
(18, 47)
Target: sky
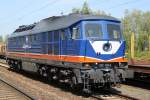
(14, 13)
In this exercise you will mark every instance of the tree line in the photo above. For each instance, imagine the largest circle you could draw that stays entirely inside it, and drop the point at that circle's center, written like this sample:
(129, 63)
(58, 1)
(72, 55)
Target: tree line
(138, 22)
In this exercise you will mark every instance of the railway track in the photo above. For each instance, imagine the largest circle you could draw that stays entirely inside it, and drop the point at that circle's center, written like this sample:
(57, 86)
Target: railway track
(140, 68)
(138, 83)
(111, 95)
(107, 95)
(9, 92)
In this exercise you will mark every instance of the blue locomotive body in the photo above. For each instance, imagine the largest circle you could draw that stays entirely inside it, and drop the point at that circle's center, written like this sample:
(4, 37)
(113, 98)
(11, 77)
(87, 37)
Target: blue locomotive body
(86, 45)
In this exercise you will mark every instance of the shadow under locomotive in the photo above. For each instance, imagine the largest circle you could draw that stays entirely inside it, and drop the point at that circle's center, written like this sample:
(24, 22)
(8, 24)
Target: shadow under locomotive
(66, 87)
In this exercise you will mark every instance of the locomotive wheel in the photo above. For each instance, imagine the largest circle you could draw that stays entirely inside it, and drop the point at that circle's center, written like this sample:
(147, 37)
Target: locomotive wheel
(15, 65)
(73, 81)
(49, 77)
(11, 64)
(42, 71)
(74, 84)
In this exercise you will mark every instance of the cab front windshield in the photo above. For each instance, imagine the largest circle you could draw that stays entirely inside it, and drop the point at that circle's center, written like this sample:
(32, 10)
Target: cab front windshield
(114, 31)
(94, 31)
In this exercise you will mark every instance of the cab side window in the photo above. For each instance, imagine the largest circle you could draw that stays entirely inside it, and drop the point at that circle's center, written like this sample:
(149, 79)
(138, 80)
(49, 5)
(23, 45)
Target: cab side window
(75, 33)
(62, 34)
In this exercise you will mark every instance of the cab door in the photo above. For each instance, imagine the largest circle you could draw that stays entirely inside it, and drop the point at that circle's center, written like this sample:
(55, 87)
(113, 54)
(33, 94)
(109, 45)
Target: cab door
(63, 42)
(73, 41)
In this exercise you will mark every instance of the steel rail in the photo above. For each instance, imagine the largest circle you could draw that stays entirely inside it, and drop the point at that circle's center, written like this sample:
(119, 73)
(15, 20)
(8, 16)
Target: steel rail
(15, 87)
(116, 95)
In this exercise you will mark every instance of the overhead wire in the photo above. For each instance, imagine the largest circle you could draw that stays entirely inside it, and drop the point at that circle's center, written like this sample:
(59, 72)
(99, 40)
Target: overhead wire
(31, 12)
(41, 8)
(122, 4)
(18, 11)
(55, 1)
(20, 18)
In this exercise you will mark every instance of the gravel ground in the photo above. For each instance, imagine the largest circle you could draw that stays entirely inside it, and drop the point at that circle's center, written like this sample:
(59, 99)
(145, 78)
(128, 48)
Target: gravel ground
(9, 93)
(139, 93)
(44, 91)
(38, 89)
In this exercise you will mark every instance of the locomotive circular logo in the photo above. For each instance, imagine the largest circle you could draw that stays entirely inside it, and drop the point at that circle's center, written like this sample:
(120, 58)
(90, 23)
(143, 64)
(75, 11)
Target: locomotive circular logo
(107, 47)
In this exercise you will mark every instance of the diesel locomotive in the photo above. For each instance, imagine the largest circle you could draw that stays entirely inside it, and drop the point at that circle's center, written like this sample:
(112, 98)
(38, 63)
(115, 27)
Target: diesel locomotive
(82, 50)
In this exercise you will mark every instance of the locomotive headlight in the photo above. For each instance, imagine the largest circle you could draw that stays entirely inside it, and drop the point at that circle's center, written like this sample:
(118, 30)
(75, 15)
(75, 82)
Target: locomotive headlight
(107, 47)
(87, 65)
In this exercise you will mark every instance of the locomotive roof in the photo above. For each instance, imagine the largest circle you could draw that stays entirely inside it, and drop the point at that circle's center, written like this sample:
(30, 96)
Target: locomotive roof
(59, 22)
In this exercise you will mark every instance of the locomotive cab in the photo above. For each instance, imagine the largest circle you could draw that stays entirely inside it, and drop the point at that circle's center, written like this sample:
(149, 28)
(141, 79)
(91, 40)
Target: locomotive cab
(104, 52)
(104, 40)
